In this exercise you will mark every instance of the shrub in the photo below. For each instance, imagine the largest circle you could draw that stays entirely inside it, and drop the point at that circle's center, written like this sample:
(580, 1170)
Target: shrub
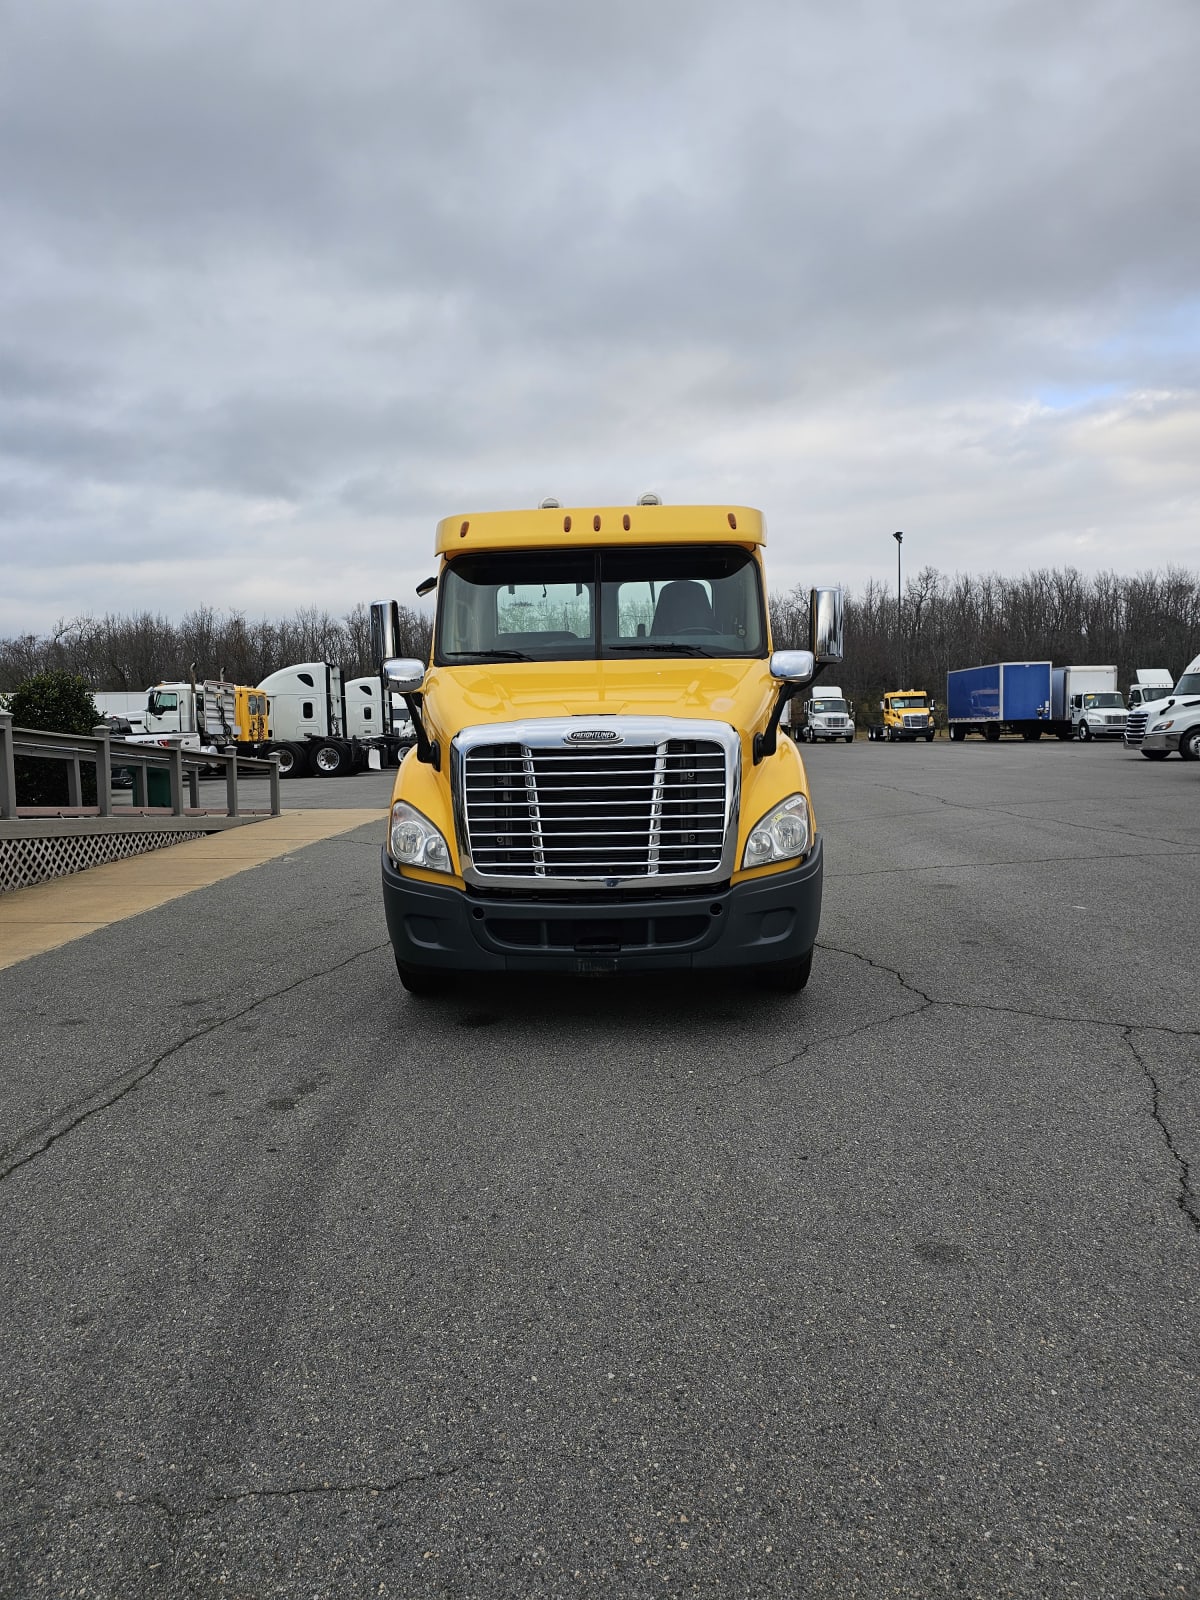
(54, 702)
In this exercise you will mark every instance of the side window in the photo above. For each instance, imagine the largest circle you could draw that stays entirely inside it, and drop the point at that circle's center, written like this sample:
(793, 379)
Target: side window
(366, 711)
(306, 710)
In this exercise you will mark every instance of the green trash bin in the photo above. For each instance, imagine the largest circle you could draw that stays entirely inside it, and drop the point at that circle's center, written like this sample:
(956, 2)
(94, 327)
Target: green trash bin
(158, 787)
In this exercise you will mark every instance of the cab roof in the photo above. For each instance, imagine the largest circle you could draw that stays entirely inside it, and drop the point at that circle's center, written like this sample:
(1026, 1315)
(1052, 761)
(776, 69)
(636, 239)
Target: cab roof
(600, 525)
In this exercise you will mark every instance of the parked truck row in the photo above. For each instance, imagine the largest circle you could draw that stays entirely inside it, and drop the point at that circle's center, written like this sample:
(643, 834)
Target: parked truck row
(316, 722)
(1025, 698)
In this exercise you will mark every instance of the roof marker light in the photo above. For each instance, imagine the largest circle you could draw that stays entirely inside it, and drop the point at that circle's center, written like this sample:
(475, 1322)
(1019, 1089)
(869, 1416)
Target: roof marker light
(625, 521)
(732, 520)
(462, 532)
(566, 524)
(596, 524)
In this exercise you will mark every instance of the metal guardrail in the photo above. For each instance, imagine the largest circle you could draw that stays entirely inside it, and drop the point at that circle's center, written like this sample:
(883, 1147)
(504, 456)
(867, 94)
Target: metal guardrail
(101, 750)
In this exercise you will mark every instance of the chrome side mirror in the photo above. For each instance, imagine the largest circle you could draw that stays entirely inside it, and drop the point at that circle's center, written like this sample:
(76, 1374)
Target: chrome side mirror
(404, 674)
(792, 666)
(385, 629)
(825, 624)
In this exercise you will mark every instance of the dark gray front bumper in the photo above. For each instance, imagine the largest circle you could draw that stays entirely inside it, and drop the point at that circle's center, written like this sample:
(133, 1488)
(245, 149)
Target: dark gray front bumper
(766, 922)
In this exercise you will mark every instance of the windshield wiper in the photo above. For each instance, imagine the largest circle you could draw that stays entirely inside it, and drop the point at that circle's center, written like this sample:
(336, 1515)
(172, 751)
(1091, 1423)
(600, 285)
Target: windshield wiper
(665, 649)
(492, 655)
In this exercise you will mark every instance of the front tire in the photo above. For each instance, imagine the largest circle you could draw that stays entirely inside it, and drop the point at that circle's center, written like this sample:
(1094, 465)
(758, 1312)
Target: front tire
(1083, 733)
(849, 738)
(1189, 745)
(293, 759)
(958, 734)
(330, 759)
(788, 978)
(1155, 755)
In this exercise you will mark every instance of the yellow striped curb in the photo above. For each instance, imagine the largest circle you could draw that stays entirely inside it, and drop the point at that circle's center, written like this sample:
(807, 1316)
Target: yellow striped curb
(51, 914)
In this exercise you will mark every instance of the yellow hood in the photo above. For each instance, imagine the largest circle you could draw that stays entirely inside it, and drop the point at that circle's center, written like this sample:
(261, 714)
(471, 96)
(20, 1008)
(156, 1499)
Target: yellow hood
(740, 693)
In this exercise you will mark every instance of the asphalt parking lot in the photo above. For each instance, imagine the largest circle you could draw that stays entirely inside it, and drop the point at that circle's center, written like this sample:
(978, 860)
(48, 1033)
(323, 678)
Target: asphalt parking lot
(669, 1288)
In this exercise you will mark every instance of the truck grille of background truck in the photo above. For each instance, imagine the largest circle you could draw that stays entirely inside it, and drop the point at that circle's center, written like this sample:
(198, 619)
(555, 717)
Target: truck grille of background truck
(580, 813)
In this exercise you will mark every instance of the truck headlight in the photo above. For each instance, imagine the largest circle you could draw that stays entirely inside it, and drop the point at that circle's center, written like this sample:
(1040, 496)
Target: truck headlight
(781, 835)
(1161, 727)
(413, 841)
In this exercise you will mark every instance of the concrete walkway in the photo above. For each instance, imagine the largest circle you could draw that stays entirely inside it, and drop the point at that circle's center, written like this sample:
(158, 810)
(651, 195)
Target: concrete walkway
(51, 914)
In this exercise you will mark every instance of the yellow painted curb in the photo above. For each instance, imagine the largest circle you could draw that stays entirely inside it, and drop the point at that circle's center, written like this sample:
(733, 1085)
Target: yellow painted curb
(52, 914)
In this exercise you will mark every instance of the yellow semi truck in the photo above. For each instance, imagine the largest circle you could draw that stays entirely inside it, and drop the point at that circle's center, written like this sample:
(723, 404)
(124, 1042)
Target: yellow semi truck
(904, 714)
(598, 784)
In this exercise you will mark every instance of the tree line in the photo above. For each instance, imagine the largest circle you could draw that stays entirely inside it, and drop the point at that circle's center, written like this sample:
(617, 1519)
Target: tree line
(1053, 614)
(131, 653)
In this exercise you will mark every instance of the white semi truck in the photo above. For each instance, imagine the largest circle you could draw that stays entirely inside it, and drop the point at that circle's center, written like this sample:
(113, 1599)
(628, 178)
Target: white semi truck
(324, 726)
(825, 715)
(1150, 712)
(1152, 683)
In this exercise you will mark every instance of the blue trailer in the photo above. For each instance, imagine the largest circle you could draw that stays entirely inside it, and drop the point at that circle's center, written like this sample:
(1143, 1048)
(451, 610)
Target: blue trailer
(1006, 697)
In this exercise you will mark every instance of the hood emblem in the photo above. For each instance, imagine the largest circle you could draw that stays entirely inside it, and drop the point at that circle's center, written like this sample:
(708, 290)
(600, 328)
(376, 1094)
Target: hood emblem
(592, 736)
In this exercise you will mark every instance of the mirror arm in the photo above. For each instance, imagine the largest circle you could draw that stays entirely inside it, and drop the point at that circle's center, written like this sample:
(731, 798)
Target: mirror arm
(767, 742)
(428, 750)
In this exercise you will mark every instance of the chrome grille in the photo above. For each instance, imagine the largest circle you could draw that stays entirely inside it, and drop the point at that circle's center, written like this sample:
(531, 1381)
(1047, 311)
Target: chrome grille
(1135, 727)
(618, 810)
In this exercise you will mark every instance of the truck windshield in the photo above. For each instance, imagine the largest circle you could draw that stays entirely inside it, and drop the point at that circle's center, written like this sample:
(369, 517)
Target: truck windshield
(1103, 700)
(541, 605)
(1188, 684)
(909, 702)
(821, 707)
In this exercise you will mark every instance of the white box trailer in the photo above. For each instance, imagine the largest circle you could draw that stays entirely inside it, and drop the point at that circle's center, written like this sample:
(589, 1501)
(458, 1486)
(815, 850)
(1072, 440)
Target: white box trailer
(121, 703)
(1085, 703)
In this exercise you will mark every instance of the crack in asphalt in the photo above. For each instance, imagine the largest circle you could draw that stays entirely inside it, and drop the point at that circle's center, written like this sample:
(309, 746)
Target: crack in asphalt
(1185, 1199)
(210, 1504)
(1011, 1011)
(130, 1081)
(825, 1039)
(1025, 861)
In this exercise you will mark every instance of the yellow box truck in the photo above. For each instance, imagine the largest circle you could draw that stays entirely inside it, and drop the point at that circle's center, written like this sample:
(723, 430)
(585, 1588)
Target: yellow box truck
(598, 784)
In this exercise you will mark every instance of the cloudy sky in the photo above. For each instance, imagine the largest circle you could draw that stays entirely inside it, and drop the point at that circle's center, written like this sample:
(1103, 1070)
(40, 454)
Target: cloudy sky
(283, 283)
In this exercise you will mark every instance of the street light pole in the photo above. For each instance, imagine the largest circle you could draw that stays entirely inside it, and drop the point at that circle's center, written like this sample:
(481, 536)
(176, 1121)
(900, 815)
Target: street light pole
(899, 538)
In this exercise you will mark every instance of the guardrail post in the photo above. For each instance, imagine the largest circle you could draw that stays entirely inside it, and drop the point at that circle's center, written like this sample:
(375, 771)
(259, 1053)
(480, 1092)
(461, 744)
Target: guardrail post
(8, 771)
(273, 758)
(176, 754)
(74, 785)
(102, 734)
(193, 773)
(231, 794)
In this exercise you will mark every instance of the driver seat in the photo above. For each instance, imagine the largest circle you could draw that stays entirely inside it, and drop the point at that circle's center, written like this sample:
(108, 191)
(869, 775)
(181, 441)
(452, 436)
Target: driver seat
(683, 607)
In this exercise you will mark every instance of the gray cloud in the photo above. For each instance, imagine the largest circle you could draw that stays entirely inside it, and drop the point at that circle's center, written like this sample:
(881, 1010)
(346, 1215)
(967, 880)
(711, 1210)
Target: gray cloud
(286, 284)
